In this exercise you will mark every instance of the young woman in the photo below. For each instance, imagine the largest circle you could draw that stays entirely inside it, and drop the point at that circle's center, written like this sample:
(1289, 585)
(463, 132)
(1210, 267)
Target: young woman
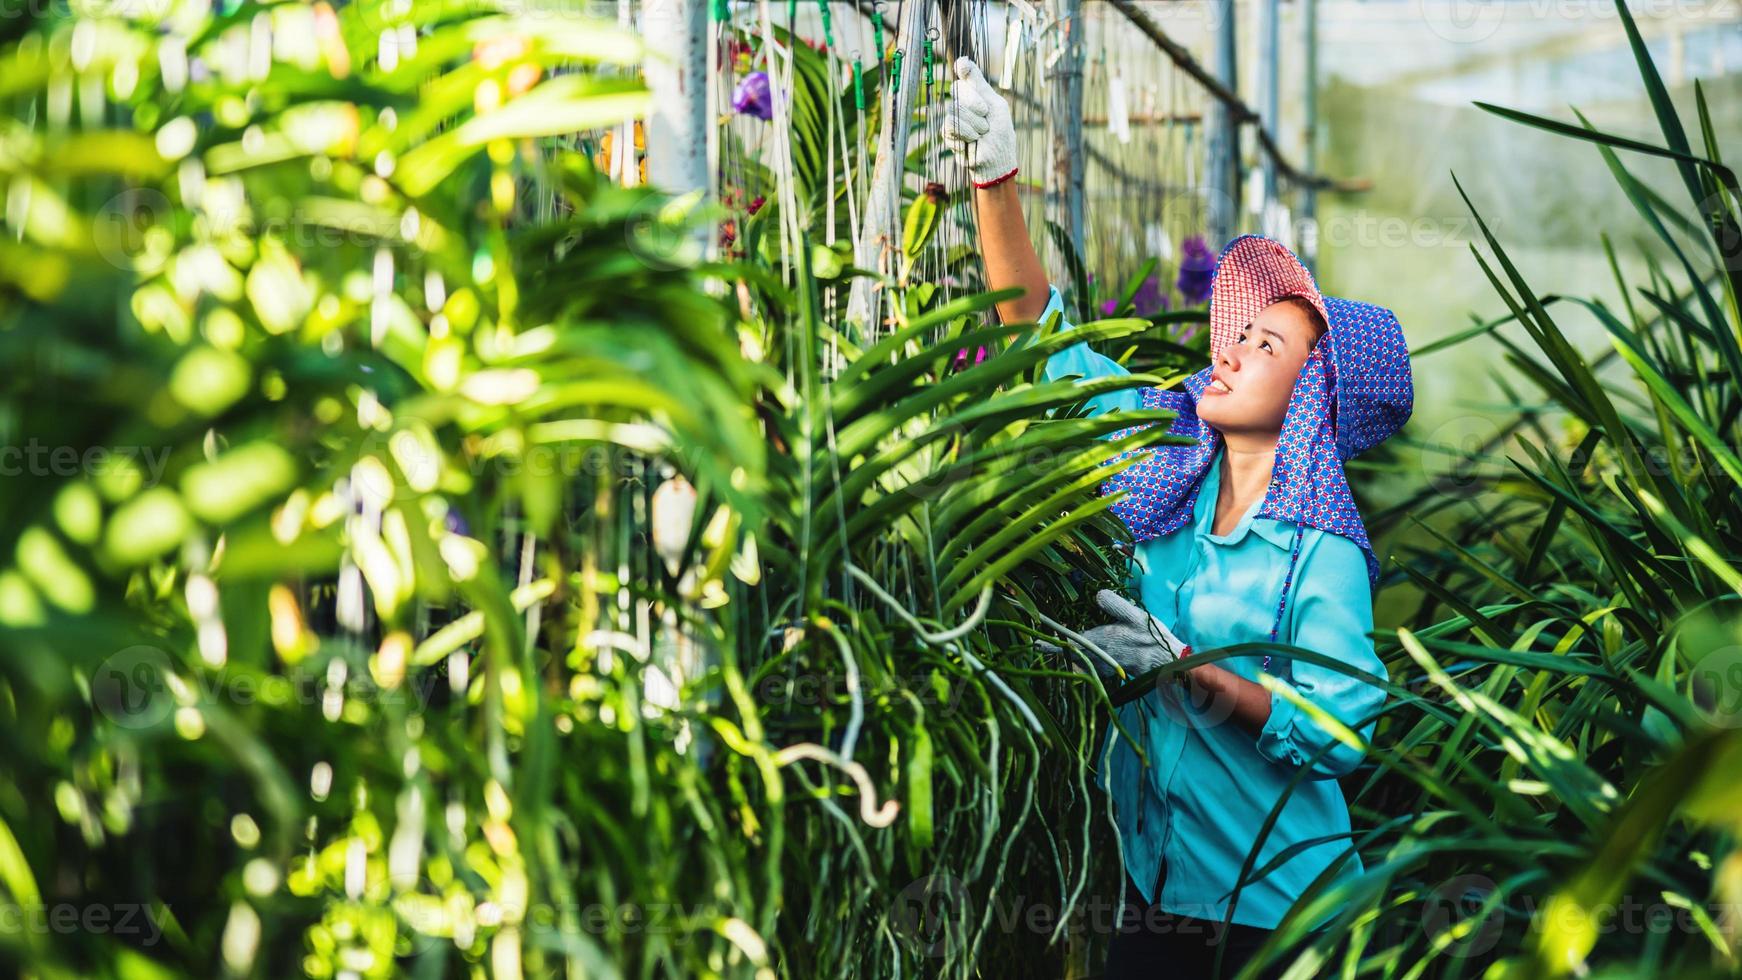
(1247, 535)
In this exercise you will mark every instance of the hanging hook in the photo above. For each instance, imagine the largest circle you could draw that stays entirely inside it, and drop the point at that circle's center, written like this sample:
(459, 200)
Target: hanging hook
(931, 35)
(877, 27)
(858, 82)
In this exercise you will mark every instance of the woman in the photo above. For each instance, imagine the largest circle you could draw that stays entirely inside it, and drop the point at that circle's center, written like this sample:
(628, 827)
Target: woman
(1247, 535)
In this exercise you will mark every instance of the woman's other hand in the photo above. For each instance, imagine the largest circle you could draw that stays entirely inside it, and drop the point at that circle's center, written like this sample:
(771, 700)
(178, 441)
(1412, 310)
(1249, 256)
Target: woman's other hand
(1136, 641)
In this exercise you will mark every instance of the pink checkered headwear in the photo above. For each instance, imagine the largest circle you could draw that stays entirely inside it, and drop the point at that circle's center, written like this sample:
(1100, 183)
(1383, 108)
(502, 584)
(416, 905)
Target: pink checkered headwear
(1353, 392)
(1252, 273)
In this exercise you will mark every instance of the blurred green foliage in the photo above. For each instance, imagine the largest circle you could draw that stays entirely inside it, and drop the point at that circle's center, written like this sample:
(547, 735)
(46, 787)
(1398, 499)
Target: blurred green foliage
(415, 561)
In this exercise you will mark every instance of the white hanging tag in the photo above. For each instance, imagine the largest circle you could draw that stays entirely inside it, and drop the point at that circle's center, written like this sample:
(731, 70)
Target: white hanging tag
(1118, 116)
(621, 138)
(1054, 31)
(1282, 224)
(1159, 242)
(1013, 31)
(1309, 235)
(1058, 52)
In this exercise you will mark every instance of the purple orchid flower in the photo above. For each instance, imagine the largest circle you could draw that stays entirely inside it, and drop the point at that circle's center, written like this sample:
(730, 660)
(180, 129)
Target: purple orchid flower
(1197, 268)
(1149, 299)
(962, 357)
(754, 97)
(455, 522)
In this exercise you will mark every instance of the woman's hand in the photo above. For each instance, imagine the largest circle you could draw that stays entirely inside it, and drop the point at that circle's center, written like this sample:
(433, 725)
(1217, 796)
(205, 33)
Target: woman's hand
(978, 127)
(1137, 641)
(1246, 702)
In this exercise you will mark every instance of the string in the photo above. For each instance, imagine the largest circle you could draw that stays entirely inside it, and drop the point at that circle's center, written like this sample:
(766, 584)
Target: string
(1288, 580)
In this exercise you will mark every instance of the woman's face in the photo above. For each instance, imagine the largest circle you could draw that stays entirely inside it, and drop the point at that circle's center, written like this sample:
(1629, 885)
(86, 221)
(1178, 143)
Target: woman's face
(1253, 376)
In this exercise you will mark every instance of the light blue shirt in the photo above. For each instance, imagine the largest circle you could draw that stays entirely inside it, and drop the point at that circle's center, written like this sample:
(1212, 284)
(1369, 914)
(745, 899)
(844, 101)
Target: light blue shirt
(1211, 782)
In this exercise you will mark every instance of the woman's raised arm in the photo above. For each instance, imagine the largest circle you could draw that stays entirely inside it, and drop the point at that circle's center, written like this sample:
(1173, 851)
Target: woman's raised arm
(1008, 253)
(977, 124)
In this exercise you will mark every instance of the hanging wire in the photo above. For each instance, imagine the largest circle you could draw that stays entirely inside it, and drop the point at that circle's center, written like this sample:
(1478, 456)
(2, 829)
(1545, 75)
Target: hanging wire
(883, 300)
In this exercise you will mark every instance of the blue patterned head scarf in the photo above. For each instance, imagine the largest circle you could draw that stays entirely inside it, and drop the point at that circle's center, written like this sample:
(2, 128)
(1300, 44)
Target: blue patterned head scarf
(1355, 389)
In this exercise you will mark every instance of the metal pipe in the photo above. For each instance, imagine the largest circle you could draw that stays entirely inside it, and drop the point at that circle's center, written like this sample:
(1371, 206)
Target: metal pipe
(1222, 181)
(1269, 88)
(1309, 207)
(677, 127)
(1065, 199)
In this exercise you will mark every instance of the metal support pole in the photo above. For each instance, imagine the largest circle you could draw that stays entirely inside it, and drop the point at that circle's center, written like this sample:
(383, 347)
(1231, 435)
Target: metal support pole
(1309, 207)
(677, 75)
(1065, 126)
(622, 163)
(1223, 132)
(879, 235)
(1269, 89)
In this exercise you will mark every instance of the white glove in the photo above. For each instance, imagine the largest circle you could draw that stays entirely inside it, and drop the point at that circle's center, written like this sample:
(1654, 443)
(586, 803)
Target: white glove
(1137, 641)
(977, 126)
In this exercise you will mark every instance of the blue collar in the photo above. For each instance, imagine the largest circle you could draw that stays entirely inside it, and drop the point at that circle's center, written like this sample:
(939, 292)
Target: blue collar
(1279, 533)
